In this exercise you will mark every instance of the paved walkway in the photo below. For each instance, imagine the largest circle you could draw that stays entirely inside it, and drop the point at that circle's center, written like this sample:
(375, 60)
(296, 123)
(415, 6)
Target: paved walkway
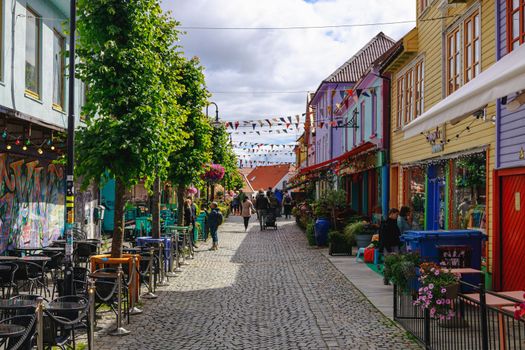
(260, 290)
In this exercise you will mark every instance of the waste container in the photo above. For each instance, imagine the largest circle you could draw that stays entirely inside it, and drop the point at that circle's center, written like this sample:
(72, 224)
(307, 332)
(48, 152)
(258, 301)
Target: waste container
(455, 248)
(201, 219)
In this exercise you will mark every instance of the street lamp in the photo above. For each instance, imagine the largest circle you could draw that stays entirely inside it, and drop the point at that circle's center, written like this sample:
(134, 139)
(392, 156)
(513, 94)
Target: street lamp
(216, 123)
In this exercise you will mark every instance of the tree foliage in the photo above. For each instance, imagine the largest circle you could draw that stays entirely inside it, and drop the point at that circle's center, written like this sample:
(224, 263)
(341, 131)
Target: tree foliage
(129, 63)
(187, 164)
(223, 154)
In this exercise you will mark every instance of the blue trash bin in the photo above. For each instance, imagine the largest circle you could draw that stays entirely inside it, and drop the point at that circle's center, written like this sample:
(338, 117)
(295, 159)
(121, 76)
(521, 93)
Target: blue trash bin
(457, 248)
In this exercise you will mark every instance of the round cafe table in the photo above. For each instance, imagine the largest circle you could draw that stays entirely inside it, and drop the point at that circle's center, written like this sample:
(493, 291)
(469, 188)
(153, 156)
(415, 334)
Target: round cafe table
(16, 304)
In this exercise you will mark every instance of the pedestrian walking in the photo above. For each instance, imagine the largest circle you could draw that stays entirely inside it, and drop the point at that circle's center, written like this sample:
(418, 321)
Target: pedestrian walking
(262, 204)
(190, 216)
(215, 219)
(247, 211)
(287, 203)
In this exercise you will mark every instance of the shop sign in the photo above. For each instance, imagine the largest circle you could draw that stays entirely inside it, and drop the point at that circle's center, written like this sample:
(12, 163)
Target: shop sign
(436, 139)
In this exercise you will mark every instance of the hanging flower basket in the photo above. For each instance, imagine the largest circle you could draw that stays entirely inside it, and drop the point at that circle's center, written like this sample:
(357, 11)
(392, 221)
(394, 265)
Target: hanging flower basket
(191, 191)
(214, 173)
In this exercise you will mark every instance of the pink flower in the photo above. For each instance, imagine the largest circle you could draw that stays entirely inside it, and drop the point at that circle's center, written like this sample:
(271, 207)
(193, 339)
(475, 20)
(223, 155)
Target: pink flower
(431, 286)
(439, 302)
(436, 272)
(443, 290)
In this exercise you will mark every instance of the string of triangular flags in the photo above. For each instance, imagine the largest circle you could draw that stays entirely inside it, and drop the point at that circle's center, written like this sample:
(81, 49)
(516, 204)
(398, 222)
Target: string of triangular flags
(268, 122)
(258, 132)
(247, 143)
(265, 154)
(252, 163)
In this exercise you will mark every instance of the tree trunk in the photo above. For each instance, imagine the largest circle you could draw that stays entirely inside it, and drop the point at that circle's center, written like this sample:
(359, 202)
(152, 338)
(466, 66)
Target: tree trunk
(212, 190)
(180, 205)
(155, 209)
(118, 230)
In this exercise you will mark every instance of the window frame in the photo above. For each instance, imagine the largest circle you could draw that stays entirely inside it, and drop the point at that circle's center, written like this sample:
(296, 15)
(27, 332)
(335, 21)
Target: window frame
(474, 65)
(2, 40)
(38, 50)
(362, 115)
(354, 129)
(453, 79)
(511, 10)
(60, 107)
(408, 94)
(373, 94)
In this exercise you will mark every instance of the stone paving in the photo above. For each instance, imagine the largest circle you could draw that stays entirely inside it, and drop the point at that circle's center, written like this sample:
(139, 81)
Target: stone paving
(260, 290)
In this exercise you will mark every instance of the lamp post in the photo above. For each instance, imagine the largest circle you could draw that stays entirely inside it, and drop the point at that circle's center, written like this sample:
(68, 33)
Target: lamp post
(70, 186)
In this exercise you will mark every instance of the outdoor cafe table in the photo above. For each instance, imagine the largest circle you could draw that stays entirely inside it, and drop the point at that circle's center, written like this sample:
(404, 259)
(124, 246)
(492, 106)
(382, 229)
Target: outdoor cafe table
(142, 241)
(105, 260)
(31, 258)
(11, 330)
(499, 303)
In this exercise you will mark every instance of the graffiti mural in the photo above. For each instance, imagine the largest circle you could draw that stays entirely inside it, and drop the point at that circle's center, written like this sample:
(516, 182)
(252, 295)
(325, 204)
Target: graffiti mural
(31, 202)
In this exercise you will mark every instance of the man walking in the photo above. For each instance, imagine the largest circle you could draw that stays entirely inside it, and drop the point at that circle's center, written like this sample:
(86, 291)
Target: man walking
(215, 219)
(262, 204)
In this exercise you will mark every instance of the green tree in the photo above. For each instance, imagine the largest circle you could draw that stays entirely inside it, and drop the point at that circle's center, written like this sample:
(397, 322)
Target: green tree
(187, 164)
(129, 62)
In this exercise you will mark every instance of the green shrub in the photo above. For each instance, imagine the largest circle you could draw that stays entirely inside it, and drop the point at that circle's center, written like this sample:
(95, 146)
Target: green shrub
(310, 233)
(352, 230)
(400, 268)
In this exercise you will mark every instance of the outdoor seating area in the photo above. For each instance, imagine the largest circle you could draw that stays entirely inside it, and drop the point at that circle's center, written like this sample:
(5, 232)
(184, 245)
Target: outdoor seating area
(37, 310)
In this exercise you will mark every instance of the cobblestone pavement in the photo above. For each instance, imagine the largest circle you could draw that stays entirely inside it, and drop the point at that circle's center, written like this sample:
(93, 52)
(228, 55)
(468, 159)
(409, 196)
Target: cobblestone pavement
(260, 290)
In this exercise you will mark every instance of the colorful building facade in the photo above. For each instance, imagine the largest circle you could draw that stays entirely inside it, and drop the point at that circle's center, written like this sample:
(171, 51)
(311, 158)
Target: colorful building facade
(509, 184)
(444, 170)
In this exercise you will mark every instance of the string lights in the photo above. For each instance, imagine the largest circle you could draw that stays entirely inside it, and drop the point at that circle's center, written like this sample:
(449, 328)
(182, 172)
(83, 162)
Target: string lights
(25, 142)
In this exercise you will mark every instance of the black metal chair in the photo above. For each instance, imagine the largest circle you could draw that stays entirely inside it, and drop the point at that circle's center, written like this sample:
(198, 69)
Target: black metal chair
(25, 340)
(106, 292)
(7, 278)
(63, 321)
(31, 275)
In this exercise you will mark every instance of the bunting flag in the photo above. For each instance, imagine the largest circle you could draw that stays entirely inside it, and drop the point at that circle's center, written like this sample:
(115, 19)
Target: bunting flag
(269, 123)
(258, 132)
(289, 119)
(297, 118)
(288, 125)
(276, 120)
(283, 120)
(236, 125)
(261, 123)
(286, 131)
(253, 126)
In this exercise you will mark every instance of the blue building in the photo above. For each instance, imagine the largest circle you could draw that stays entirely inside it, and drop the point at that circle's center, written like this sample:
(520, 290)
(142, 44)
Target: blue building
(33, 119)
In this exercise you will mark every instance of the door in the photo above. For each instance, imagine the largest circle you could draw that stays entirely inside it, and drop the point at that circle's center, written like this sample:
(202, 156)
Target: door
(513, 231)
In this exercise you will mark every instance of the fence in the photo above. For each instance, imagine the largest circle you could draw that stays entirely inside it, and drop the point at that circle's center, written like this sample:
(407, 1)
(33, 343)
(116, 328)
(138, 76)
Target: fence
(483, 320)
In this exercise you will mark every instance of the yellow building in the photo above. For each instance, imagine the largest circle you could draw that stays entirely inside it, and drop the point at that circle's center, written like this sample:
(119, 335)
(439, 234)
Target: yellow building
(444, 173)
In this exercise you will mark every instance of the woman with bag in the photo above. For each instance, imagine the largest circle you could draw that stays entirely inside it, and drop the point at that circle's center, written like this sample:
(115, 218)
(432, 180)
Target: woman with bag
(247, 211)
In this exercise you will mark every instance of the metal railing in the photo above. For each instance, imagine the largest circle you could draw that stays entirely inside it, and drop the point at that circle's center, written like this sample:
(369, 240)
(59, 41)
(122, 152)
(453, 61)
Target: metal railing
(477, 323)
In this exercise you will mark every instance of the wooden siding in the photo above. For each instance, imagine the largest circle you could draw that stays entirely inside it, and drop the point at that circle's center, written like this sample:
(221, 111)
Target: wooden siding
(481, 134)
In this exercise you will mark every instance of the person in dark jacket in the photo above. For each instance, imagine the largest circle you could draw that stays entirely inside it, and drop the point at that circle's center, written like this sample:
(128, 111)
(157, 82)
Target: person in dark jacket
(389, 235)
(215, 219)
(190, 215)
(262, 204)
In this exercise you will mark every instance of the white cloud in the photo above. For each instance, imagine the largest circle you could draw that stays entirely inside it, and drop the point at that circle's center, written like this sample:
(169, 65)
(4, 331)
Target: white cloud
(278, 60)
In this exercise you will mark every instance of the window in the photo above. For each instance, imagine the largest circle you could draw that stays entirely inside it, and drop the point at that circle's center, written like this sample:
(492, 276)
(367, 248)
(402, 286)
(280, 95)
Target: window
(58, 71)
(32, 54)
(362, 122)
(471, 47)
(463, 53)
(423, 4)
(374, 112)
(354, 129)
(453, 61)
(515, 23)
(414, 188)
(410, 94)
(419, 86)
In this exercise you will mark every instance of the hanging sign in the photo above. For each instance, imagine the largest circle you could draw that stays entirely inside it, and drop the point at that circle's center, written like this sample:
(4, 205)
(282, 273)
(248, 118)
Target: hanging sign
(436, 139)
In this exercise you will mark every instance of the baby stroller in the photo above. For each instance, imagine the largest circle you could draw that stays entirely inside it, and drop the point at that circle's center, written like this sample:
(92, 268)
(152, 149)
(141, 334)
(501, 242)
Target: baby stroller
(269, 220)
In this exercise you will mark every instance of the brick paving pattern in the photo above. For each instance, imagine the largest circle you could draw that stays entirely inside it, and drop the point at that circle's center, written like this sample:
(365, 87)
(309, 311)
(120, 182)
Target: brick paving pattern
(260, 290)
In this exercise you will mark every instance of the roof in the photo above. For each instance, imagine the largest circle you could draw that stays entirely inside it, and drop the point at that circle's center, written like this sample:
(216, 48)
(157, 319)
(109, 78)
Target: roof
(352, 70)
(263, 177)
(245, 170)
(247, 187)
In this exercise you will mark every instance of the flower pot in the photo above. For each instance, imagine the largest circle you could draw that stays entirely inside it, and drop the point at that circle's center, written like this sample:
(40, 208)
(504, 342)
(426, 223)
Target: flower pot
(363, 241)
(321, 228)
(452, 291)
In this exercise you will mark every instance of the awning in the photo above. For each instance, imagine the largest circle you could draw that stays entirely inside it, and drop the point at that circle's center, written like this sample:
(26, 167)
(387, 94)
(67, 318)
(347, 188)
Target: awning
(503, 78)
(316, 166)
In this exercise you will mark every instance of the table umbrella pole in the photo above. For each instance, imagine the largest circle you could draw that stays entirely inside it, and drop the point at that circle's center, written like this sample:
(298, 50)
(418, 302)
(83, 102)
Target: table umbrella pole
(91, 326)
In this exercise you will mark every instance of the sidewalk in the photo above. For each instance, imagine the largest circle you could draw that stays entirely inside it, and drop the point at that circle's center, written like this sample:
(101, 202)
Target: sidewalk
(367, 281)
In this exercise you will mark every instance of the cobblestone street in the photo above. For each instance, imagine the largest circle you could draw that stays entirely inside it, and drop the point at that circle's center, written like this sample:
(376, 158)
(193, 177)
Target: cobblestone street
(260, 290)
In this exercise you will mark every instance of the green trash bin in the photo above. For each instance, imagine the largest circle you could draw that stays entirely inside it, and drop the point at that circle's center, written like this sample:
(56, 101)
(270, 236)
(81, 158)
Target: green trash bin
(201, 220)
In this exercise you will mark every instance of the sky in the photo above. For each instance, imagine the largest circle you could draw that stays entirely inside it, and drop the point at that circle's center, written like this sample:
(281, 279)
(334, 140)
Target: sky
(242, 66)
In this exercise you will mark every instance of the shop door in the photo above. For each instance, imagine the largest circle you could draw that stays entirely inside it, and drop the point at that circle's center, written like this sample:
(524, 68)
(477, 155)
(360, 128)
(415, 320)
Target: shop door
(436, 198)
(513, 232)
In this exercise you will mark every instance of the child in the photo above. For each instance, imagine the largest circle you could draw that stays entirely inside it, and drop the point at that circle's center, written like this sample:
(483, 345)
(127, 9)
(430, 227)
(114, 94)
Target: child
(214, 221)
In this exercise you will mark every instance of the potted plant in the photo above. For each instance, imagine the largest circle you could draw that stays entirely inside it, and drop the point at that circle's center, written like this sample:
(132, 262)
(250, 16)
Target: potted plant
(401, 269)
(438, 287)
(357, 230)
(322, 224)
(339, 243)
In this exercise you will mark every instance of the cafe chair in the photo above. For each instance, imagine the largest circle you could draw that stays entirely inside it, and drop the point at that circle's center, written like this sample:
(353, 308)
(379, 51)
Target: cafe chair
(32, 276)
(26, 339)
(7, 279)
(63, 321)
